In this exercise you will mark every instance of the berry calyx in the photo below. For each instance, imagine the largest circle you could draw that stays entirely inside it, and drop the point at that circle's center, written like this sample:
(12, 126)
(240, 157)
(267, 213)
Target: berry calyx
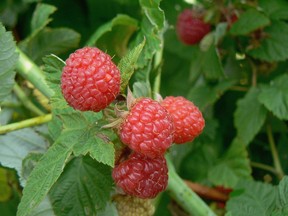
(187, 118)
(90, 80)
(148, 128)
(191, 27)
(141, 176)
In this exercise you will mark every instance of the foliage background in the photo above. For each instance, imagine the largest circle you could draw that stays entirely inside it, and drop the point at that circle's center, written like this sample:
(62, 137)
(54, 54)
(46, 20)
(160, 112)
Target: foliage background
(237, 76)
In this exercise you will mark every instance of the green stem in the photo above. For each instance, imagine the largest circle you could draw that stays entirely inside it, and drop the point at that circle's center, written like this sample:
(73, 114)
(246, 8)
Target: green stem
(30, 71)
(264, 167)
(184, 196)
(26, 101)
(274, 152)
(157, 81)
(26, 123)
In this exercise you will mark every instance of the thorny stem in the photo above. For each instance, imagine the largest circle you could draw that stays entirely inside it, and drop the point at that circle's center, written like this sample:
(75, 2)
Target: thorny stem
(157, 81)
(26, 123)
(30, 71)
(26, 101)
(184, 196)
(274, 152)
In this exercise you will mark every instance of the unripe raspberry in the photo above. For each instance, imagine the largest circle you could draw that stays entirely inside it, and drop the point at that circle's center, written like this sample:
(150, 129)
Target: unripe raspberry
(133, 206)
(141, 176)
(191, 27)
(148, 128)
(90, 80)
(187, 118)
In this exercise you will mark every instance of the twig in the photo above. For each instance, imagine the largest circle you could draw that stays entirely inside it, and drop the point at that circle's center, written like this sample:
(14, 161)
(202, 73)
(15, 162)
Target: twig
(26, 123)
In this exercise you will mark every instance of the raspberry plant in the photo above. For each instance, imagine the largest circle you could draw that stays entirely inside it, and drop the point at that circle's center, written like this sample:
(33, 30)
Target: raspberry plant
(60, 160)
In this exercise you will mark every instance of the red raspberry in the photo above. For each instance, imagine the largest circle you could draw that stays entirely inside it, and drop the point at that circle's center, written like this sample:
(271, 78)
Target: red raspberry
(148, 128)
(190, 27)
(90, 80)
(141, 176)
(188, 119)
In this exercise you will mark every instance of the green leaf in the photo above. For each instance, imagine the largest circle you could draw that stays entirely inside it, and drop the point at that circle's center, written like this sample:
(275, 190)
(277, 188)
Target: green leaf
(249, 116)
(83, 188)
(275, 96)
(276, 9)
(114, 35)
(141, 89)
(153, 13)
(127, 65)
(8, 60)
(43, 176)
(204, 95)
(251, 198)
(53, 69)
(232, 167)
(274, 46)
(82, 132)
(248, 22)
(208, 63)
(16, 145)
(44, 209)
(282, 199)
(47, 41)
(40, 17)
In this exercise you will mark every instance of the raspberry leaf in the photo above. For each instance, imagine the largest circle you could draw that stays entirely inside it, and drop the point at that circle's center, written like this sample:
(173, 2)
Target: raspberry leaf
(233, 166)
(88, 182)
(16, 145)
(274, 46)
(248, 22)
(249, 116)
(275, 9)
(251, 198)
(275, 97)
(128, 63)
(9, 59)
(43, 176)
(40, 17)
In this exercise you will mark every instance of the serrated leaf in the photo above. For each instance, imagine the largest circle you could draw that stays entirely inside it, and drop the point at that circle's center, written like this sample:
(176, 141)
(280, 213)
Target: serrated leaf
(115, 34)
(81, 131)
(40, 17)
(281, 207)
(232, 167)
(47, 41)
(53, 69)
(275, 96)
(255, 199)
(276, 9)
(249, 116)
(16, 145)
(83, 188)
(127, 65)
(199, 64)
(8, 60)
(141, 89)
(43, 176)
(274, 46)
(153, 12)
(248, 22)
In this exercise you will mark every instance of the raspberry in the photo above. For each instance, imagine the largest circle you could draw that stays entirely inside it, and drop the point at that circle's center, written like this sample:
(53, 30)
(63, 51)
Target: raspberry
(190, 27)
(90, 80)
(187, 118)
(141, 176)
(133, 206)
(148, 128)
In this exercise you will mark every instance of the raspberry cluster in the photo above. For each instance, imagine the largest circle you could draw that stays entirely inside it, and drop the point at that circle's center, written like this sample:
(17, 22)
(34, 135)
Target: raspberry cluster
(91, 81)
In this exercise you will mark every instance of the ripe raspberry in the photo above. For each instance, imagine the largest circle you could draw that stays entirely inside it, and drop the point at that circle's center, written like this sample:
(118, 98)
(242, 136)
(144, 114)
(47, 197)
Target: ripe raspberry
(90, 80)
(148, 128)
(190, 27)
(133, 206)
(141, 176)
(187, 118)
